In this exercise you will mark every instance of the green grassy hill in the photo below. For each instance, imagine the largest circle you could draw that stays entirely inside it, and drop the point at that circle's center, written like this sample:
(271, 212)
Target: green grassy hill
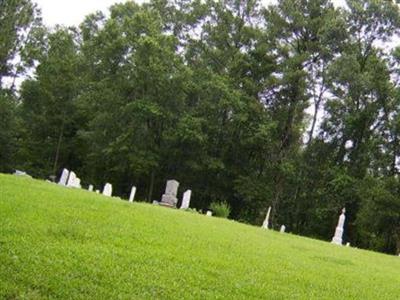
(58, 243)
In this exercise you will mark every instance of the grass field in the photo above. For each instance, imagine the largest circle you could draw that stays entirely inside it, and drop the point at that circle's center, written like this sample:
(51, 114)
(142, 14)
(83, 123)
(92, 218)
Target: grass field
(58, 243)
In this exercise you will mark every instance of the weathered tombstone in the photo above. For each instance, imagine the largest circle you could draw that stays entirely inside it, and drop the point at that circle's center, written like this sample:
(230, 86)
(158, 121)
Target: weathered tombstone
(348, 245)
(169, 198)
(132, 195)
(186, 199)
(337, 239)
(107, 191)
(97, 191)
(21, 173)
(155, 202)
(77, 183)
(71, 179)
(266, 221)
(209, 213)
(90, 188)
(283, 229)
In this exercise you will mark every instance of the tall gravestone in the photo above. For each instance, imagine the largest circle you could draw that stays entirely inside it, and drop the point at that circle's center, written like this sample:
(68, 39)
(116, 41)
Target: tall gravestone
(64, 177)
(169, 198)
(283, 229)
(90, 188)
(71, 179)
(186, 199)
(266, 221)
(132, 195)
(107, 191)
(337, 239)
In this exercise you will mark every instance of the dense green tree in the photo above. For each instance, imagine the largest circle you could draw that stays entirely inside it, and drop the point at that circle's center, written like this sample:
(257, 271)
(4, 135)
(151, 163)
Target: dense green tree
(19, 44)
(133, 72)
(362, 102)
(48, 108)
(8, 125)
(19, 30)
(378, 221)
(304, 37)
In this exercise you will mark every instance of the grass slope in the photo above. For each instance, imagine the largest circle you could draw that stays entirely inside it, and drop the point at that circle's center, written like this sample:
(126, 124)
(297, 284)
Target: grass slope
(57, 243)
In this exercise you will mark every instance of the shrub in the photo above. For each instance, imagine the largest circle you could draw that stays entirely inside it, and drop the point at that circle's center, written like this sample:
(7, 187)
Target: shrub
(220, 209)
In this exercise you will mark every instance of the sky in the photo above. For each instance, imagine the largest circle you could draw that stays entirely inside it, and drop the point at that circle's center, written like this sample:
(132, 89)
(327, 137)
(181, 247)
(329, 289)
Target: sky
(72, 12)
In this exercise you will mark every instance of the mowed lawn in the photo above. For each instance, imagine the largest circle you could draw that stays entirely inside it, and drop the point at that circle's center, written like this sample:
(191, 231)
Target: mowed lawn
(60, 243)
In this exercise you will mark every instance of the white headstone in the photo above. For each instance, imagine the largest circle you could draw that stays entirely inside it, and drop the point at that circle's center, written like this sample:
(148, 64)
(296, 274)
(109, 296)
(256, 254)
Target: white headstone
(186, 199)
(97, 191)
(77, 183)
(21, 173)
(209, 213)
(266, 221)
(169, 197)
(283, 229)
(107, 191)
(348, 245)
(90, 188)
(132, 195)
(71, 179)
(64, 177)
(337, 239)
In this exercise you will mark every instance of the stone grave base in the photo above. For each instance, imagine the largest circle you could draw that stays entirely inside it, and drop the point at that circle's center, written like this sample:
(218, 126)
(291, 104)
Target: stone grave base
(166, 205)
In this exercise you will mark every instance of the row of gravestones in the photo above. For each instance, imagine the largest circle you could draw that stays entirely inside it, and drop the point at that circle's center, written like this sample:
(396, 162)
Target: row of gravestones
(168, 199)
(69, 179)
(337, 238)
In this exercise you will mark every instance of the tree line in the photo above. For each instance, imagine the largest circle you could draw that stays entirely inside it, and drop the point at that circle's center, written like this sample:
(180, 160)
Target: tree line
(293, 105)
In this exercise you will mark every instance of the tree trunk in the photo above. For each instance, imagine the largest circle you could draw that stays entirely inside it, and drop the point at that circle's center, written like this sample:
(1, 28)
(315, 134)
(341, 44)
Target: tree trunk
(317, 104)
(151, 187)
(276, 201)
(398, 243)
(314, 121)
(58, 148)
